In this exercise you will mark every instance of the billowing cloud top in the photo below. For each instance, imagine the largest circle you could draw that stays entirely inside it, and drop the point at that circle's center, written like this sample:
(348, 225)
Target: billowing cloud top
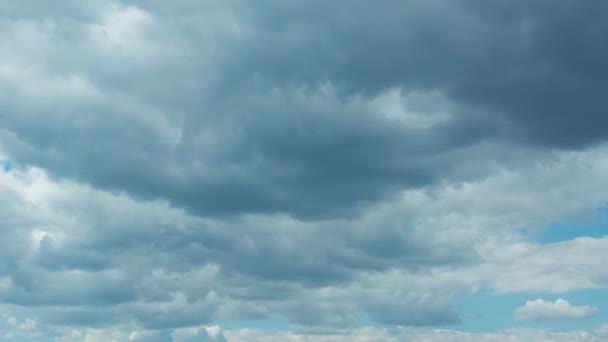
(171, 168)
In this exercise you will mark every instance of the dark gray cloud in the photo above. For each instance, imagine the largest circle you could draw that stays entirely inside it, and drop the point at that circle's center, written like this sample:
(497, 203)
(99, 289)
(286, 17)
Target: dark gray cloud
(229, 115)
(541, 65)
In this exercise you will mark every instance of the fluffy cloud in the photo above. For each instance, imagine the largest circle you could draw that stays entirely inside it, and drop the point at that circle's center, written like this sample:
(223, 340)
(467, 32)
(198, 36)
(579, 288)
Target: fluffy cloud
(541, 310)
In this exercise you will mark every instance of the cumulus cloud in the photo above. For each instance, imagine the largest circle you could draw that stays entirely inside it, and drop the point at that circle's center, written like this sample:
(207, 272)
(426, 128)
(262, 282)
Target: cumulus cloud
(541, 310)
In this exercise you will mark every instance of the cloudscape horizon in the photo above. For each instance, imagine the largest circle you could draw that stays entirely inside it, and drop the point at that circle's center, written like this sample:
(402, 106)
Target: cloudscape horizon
(231, 170)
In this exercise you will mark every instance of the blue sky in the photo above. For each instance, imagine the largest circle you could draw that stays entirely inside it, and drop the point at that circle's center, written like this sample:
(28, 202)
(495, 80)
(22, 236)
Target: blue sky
(594, 226)
(219, 171)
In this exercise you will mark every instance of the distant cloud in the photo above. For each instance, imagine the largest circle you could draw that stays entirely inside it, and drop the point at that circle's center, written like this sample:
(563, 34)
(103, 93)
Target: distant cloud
(198, 334)
(541, 310)
(372, 334)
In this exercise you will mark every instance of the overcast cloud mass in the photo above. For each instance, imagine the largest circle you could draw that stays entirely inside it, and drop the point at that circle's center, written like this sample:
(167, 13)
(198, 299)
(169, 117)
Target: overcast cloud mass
(230, 170)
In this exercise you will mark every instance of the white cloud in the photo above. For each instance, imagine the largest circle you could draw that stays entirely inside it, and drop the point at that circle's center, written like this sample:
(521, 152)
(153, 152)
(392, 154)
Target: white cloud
(541, 310)
(515, 265)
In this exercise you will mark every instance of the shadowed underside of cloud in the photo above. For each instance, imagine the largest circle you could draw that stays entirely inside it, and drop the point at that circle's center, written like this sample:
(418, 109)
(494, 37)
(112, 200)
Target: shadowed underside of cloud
(169, 166)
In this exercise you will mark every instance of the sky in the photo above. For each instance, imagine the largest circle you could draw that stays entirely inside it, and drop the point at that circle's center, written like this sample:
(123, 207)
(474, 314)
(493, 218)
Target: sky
(232, 170)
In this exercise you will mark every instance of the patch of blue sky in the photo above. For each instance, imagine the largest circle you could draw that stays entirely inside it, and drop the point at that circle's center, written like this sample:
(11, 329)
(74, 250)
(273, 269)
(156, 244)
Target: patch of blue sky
(6, 165)
(594, 226)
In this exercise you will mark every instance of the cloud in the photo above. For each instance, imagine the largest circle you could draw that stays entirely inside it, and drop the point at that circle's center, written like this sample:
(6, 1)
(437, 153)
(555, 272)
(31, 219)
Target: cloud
(16, 328)
(301, 126)
(532, 267)
(541, 310)
(504, 57)
(91, 258)
(198, 334)
(95, 258)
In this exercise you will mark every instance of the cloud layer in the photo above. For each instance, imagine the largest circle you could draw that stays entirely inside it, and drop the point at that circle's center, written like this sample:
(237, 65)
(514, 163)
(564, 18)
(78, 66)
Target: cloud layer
(401, 334)
(168, 168)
